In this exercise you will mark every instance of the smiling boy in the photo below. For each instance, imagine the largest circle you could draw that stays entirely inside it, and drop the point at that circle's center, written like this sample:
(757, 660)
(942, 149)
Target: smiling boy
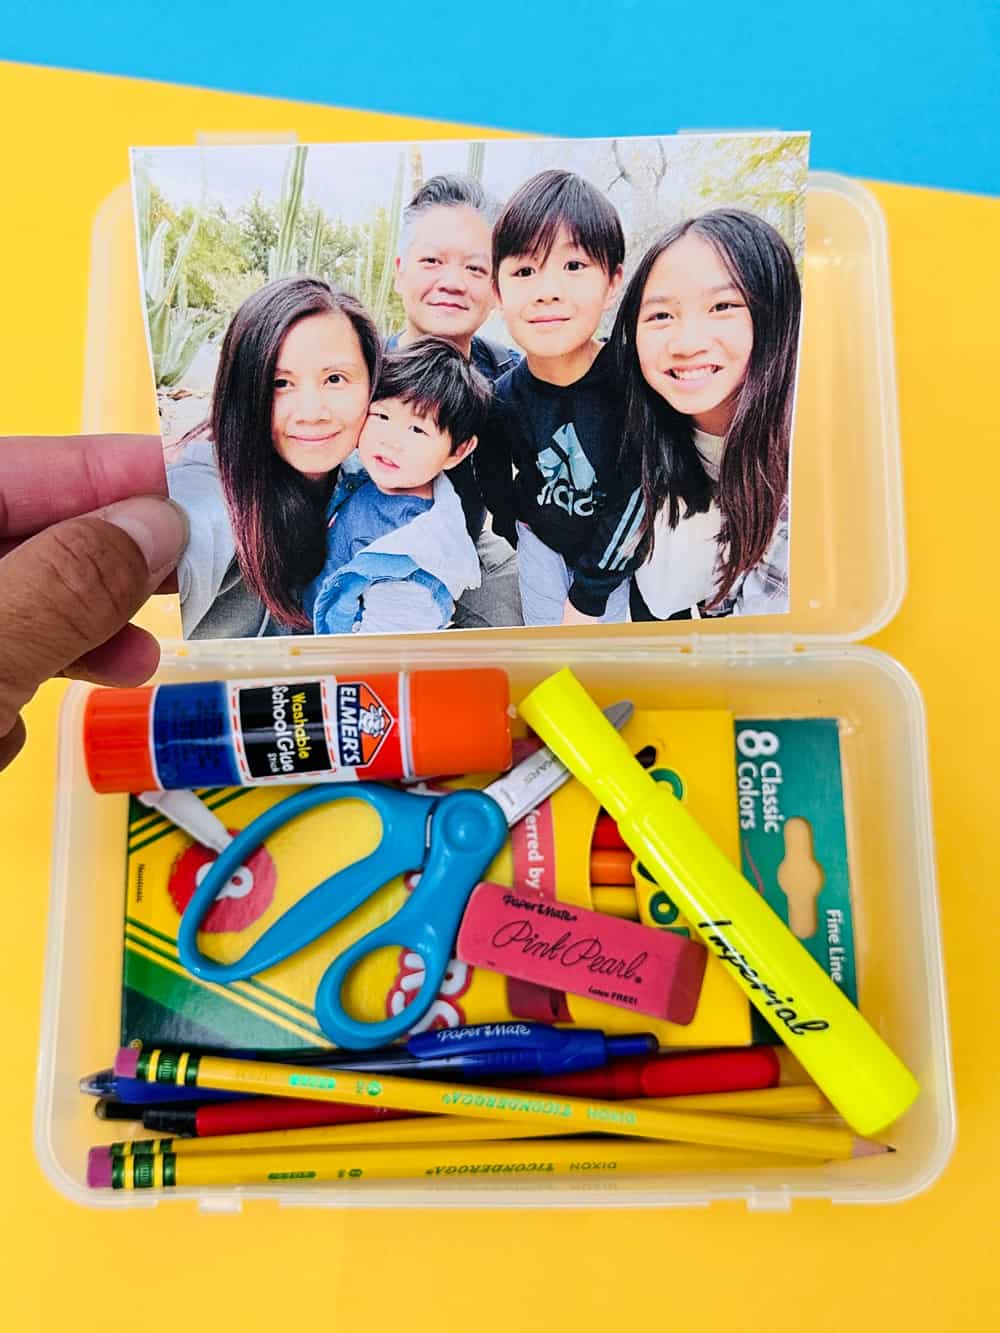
(399, 554)
(551, 468)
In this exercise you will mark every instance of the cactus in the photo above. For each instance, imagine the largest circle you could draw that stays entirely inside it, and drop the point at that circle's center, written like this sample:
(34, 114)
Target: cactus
(176, 332)
(283, 259)
(316, 245)
(380, 302)
(186, 331)
(476, 159)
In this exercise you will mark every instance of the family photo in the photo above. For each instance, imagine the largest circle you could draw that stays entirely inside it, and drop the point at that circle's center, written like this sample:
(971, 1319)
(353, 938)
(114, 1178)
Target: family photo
(470, 385)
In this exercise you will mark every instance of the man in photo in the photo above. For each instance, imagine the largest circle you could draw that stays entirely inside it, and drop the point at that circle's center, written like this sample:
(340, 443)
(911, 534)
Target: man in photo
(444, 279)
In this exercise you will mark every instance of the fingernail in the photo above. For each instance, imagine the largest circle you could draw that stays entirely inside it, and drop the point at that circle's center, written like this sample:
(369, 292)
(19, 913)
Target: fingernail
(159, 528)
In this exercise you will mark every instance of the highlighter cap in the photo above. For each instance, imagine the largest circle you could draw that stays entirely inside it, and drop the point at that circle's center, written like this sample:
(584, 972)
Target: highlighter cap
(563, 714)
(116, 740)
(459, 722)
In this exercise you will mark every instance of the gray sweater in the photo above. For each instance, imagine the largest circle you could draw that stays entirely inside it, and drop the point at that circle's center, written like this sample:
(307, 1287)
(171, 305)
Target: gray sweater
(215, 602)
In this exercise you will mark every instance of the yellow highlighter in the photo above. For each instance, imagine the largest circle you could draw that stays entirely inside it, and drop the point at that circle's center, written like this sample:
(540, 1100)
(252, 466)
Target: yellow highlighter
(866, 1082)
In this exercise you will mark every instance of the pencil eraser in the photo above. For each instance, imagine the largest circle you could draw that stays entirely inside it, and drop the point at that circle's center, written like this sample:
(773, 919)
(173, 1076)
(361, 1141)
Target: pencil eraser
(99, 1168)
(533, 938)
(126, 1062)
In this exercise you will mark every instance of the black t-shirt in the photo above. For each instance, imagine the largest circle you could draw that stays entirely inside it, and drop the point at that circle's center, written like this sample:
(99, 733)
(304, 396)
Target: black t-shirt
(551, 458)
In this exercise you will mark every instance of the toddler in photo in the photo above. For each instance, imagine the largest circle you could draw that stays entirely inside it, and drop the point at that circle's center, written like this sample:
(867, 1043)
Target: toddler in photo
(551, 467)
(399, 554)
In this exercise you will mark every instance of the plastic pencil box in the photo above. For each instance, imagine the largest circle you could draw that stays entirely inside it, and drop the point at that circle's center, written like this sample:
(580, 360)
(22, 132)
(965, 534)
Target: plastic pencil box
(847, 580)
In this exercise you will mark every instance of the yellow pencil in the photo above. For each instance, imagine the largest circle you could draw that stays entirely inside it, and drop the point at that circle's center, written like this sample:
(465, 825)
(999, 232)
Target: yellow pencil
(376, 1133)
(572, 1114)
(784, 1100)
(796, 1100)
(554, 1157)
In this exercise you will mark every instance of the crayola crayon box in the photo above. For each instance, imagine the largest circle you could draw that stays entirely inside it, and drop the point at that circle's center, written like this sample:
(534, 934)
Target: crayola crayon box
(549, 851)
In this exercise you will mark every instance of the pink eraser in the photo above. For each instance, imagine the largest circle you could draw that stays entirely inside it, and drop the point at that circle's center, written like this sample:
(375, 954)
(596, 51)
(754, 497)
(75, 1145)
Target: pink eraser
(99, 1168)
(126, 1062)
(532, 938)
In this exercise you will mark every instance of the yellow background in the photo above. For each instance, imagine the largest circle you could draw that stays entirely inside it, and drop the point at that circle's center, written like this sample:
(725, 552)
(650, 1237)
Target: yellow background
(921, 1265)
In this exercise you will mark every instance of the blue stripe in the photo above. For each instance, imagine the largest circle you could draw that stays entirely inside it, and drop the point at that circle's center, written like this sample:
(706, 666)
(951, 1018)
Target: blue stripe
(629, 543)
(626, 527)
(900, 90)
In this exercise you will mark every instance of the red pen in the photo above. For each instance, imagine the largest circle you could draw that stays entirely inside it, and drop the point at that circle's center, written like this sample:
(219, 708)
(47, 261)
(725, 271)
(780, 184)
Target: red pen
(678, 1075)
(251, 1114)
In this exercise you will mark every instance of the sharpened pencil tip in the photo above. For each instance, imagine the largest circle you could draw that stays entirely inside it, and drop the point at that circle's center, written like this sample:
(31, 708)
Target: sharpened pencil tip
(868, 1148)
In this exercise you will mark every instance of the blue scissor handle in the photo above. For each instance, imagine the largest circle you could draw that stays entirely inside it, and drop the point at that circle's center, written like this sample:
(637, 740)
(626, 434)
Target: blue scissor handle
(402, 847)
(468, 828)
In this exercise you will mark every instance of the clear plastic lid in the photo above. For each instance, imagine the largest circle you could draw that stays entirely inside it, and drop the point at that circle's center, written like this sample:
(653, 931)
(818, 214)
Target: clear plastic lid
(848, 568)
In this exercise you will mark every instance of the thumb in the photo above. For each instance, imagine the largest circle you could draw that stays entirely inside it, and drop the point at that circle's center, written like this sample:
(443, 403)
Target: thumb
(73, 588)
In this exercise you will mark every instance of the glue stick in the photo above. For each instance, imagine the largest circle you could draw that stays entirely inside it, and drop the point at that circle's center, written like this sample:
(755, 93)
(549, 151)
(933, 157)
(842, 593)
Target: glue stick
(328, 729)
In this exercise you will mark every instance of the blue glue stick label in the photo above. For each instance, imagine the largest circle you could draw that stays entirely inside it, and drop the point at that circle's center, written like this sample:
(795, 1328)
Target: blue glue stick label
(212, 735)
(192, 738)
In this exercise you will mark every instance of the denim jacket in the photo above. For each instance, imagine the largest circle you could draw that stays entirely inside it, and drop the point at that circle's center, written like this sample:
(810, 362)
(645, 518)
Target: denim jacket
(406, 580)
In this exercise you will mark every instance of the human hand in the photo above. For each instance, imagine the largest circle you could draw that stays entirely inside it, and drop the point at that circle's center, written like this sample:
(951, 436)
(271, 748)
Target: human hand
(571, 616)
(86, 535)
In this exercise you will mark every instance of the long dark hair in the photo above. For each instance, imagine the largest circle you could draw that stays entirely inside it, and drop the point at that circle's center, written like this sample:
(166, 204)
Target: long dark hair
(658, 441)
(278, 516)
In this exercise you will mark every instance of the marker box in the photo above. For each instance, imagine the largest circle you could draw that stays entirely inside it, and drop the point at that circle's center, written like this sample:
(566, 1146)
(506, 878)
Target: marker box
(847, 580)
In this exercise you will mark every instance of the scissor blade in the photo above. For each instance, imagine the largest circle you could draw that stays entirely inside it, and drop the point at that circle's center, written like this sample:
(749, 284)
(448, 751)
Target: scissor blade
(190, 814)
(538, 776)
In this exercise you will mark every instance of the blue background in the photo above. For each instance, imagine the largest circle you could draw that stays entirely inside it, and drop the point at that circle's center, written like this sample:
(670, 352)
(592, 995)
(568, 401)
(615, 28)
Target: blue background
(906, 92)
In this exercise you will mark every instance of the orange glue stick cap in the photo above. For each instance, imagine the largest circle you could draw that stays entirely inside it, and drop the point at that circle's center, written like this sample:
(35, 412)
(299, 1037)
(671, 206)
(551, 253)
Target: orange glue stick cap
(116, 740)
(460, 722)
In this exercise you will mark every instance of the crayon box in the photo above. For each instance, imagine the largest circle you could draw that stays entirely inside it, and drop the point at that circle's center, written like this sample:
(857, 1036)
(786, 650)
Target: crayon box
(549, 851)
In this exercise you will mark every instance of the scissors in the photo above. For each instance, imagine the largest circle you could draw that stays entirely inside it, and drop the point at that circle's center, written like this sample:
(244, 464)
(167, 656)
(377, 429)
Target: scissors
(450, 838)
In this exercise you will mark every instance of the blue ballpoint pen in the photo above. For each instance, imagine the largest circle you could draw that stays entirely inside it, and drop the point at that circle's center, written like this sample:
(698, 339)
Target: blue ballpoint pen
(134, 1091)
(482, 1050)
(485, 1049)
(526, 1048)
(499, 1049)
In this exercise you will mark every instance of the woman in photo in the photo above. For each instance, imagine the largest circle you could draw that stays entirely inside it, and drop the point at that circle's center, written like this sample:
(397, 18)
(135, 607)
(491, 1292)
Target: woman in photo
(291, 396)
(706, 341)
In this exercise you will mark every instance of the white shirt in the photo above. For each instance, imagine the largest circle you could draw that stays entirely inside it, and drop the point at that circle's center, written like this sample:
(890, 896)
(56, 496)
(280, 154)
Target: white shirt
(681, 569)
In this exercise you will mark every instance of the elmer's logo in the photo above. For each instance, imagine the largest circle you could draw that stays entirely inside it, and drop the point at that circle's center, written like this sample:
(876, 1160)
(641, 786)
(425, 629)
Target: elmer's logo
(363, 722)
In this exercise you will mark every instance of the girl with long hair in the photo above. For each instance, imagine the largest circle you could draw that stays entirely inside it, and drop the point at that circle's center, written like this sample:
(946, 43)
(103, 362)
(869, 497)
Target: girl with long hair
(291, 395)
(705, 344)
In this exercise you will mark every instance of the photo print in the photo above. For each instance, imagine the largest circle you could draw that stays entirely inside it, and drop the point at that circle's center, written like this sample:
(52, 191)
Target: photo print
(468, 385)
